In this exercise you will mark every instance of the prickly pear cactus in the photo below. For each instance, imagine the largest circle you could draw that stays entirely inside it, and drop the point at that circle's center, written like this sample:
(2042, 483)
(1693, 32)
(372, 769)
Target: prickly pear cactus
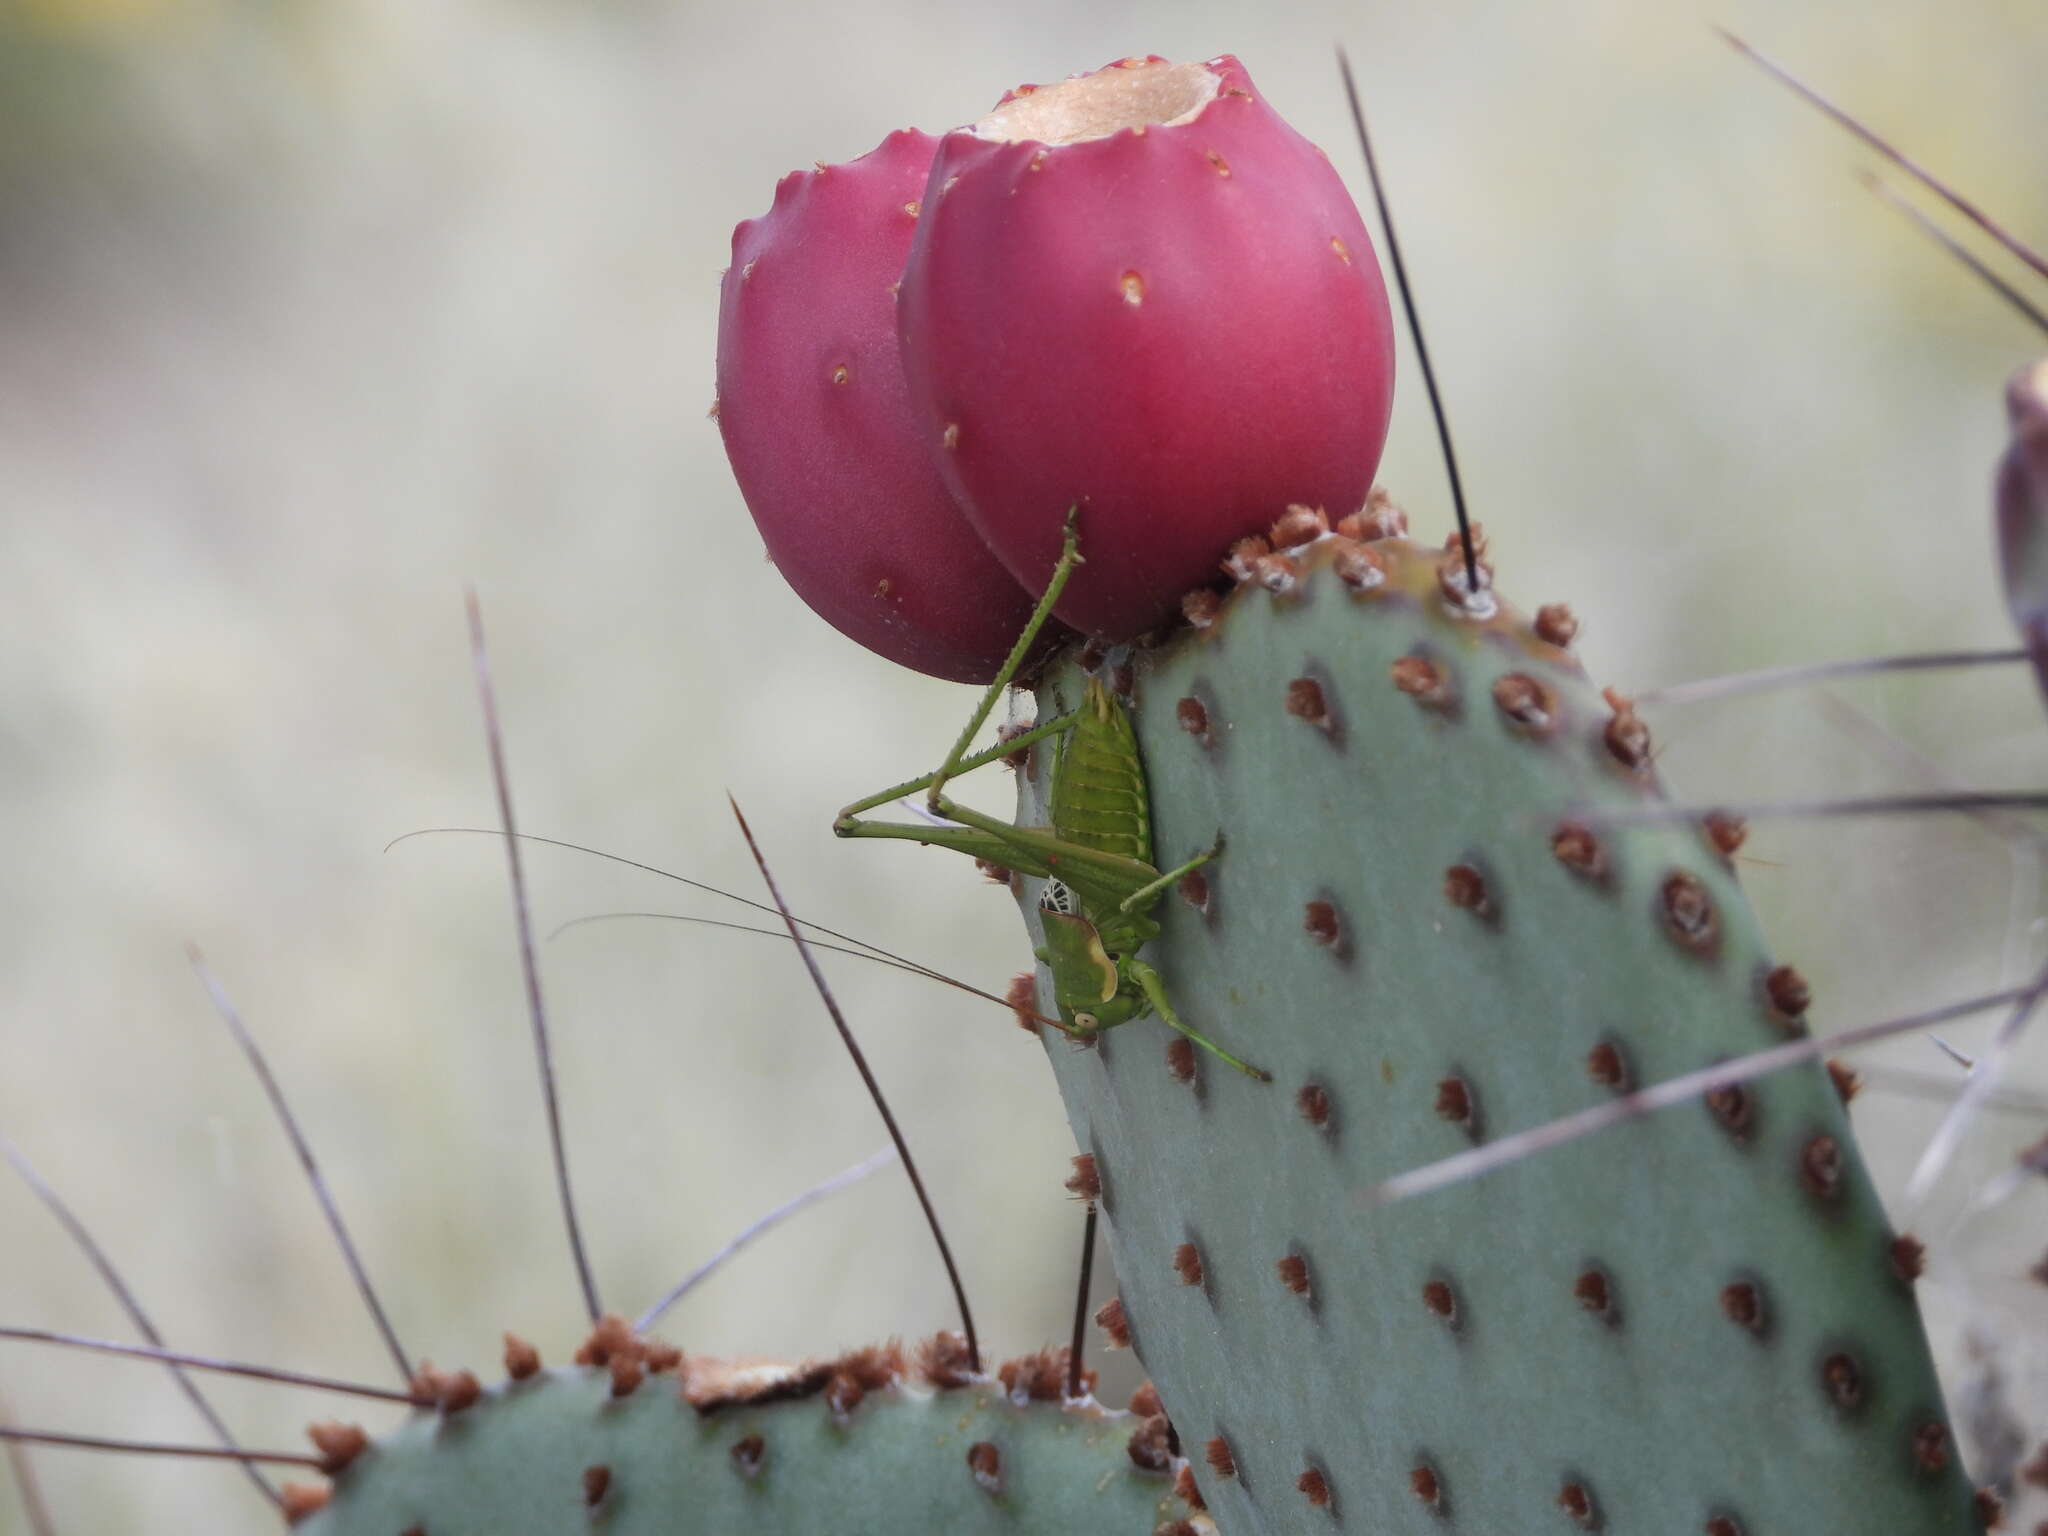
(641, 1445)
(1696, 1322)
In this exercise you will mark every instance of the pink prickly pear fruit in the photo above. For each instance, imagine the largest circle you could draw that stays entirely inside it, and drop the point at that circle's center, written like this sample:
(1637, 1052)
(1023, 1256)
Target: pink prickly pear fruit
(1141, 292)
(817, 423)
(2022, 501)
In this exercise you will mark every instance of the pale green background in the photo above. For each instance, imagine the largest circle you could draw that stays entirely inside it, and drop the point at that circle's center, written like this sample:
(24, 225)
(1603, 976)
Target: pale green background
(311, 314)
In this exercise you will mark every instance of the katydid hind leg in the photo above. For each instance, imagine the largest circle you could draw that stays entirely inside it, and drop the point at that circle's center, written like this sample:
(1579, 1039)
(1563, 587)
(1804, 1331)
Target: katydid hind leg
(1070, 556)
(849, 821)
(1102, 878)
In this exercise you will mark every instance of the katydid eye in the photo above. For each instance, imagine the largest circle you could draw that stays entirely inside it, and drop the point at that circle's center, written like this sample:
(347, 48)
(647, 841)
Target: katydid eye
(1085, 1021)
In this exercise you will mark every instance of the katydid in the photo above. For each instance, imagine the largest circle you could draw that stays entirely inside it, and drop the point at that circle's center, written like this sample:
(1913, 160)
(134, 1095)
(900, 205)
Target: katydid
(1096, 857)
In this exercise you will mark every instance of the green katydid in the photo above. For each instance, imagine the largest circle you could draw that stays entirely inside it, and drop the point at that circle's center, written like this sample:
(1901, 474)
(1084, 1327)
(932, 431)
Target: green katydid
(1096, 857)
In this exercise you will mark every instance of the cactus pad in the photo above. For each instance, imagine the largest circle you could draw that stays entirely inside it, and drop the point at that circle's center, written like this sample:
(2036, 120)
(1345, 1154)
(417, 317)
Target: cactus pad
(702, 1447)
(1697, 1322)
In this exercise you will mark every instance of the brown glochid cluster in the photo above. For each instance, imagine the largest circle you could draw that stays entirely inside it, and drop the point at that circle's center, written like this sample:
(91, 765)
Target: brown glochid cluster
(338, 1443)
(1841, 1379)
(1820, 1167)
(1743, 1305)
(1595, 1292)
(627, 1373)
(1441, 1300)
(985, 1465)
(1023, 1000)
(1626, 735)
(1454, 1103)
(1465, 888)
(944, 1360)
(1732, 1109)
(1381, 518)
(1908, 1256)
(1427, 1487)
(1086, 1180)
(1150, 1447)
(1579, 850)
(1688, 912)
(521, 1358)
(1299, 525)
(1313, 1100)
(1293, 1272)
(301, 1501)
(1930, 1448)
(1577, 1503)
(1305, 702)
(1320, 922)
(1526, 703)
(1314, 1486)
(1422, 680)
(1848, 1082)
(1358, 567)
(1556, 624)
(1041, 1377)
(1726, 831)
(1607, 1066)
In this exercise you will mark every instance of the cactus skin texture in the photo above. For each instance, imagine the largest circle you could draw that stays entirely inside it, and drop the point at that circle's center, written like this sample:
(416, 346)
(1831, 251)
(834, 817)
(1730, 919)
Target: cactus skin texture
(558, 1454)
(1181, 329)
(1691, 1323)
(816, 422)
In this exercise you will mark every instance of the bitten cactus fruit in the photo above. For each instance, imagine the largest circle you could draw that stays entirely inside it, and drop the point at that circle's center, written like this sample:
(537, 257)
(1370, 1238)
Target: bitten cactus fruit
(2022, 502)
(1141, 292)
(812, 407)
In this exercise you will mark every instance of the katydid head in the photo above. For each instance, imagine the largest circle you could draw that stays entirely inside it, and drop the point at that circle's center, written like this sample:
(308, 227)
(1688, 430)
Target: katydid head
(1086, 985)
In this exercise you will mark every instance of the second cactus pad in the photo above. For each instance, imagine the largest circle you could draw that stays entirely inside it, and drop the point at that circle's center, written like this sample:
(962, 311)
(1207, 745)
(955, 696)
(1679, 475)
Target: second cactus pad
(657, 1445)
(1423, 927)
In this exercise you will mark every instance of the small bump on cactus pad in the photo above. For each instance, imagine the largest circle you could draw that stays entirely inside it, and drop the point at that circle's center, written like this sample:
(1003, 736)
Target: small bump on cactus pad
(1423, 926)
(635, 1440)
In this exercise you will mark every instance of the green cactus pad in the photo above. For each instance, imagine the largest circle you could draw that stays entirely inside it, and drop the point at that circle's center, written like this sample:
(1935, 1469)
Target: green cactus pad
(557, 1454)
(1693, 1323)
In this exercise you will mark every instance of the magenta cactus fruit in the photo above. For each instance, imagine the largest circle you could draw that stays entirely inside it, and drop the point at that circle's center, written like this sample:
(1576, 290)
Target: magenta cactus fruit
(1142, 292)
(817, 424)
(2022, 510)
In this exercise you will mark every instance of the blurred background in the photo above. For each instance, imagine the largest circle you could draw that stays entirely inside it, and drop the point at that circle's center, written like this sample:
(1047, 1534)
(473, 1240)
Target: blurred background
(311, 314)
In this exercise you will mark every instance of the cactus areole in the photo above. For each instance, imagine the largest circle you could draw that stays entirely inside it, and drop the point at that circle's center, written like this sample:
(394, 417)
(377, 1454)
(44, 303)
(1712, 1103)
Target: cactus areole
(812, 407)
(1141, 292)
